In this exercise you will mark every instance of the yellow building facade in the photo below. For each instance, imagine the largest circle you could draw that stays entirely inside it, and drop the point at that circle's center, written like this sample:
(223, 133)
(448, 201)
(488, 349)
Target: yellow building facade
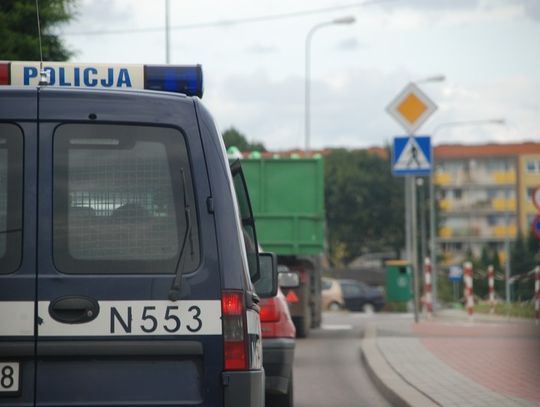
(529, 180)
(484, 196)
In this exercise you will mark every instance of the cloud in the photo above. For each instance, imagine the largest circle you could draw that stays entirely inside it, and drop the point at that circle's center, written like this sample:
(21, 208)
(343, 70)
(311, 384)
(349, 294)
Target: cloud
(106, 14)
(260, 49)
(456, 11)
(531, 8)
(353, 115)
(350, 44)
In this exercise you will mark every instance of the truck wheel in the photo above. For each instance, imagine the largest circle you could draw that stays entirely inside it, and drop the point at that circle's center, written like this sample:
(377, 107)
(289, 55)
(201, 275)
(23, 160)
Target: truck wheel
(368, 308)
(334, 306)
(302, 325)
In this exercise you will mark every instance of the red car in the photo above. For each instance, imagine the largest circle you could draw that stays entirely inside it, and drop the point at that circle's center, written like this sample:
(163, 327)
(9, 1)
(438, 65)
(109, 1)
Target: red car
(278, 346)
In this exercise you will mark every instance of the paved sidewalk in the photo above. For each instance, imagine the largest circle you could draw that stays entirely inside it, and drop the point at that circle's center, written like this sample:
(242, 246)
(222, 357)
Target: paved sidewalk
(451, 362)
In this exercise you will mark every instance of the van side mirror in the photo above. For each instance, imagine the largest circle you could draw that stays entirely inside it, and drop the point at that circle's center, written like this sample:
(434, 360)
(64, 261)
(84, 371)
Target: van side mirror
(266, 286)
(289, 279)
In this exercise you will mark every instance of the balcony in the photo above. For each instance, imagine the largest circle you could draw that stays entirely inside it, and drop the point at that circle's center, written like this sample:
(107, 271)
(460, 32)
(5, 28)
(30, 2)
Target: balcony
(478, 177)
(444, 204)
(480, 206)
(501, 231)
(504, 204)
(504, 177)
(482, 231)
(442, 178)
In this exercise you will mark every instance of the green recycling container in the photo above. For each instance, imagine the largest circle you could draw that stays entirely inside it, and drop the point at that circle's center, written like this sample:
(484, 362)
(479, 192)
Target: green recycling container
(398, 277)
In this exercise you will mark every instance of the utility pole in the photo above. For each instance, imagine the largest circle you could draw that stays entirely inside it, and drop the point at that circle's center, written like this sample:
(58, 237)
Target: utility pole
(167, 34)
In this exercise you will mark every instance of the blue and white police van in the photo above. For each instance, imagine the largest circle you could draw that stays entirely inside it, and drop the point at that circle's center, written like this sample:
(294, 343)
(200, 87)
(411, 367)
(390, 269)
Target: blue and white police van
(128, 250)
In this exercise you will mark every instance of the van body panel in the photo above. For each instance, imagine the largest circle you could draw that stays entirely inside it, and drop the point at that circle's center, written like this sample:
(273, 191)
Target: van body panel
(101, 325)
(132, 307)
(221, 185)
(18, 191)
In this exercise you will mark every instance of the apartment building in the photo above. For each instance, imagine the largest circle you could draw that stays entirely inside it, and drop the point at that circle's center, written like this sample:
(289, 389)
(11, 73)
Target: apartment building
(484, 196)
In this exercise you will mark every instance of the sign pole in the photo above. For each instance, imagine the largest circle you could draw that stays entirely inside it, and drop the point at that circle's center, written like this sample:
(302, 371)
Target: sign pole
(414, 245)
(412, 156)
(407, 219)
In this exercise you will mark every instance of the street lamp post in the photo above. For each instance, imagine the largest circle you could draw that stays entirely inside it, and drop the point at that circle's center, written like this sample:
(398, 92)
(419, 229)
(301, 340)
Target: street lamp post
(341, 20)
(432, 217)
(434, 78)
(167, 33)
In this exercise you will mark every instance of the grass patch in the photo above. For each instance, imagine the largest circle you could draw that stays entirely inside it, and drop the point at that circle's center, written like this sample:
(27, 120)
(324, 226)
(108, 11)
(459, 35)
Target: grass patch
(518, 309)
(395, 307)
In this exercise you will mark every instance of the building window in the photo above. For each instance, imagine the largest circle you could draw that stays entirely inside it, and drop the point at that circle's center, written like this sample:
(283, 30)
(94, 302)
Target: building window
(457, 194)
(532, 166)
(529, 193)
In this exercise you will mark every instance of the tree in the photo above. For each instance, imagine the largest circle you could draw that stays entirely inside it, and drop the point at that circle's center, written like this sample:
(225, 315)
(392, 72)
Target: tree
(525, 256)
(19, 32)
(232, 137)
(533, 246)
(520, 259)
(364, 204)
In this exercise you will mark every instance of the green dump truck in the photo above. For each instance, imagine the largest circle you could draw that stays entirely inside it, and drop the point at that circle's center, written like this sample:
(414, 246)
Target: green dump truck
(287, 195)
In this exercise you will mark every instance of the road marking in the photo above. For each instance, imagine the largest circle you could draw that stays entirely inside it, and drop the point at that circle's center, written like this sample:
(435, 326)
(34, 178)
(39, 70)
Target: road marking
(344, 327)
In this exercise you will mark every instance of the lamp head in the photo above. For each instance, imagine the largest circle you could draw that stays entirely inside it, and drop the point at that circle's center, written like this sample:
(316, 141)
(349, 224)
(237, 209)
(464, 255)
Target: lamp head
(344, 20)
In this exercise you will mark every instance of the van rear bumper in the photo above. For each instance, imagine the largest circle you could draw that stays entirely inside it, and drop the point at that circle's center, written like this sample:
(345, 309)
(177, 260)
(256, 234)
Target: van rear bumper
(244, 388)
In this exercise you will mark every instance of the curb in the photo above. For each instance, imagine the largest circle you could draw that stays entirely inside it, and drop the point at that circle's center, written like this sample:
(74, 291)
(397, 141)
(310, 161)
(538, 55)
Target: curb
(396, 391)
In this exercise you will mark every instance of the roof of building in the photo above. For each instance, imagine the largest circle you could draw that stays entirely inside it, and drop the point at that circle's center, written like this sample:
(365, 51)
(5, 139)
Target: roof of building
(485, 150)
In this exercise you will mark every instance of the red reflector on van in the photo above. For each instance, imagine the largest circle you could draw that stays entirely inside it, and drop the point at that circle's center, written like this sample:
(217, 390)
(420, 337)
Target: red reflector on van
(235, 355)
(4, 73)
(234, 331)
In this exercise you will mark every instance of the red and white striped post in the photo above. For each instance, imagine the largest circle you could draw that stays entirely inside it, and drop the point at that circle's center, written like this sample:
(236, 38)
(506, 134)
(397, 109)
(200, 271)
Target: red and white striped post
(537, 293)
(428, 301)
(468, 280)
(491, 288)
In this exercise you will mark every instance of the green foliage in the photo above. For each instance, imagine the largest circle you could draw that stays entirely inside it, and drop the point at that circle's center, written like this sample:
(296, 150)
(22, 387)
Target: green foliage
(496, 262)
(395, 307)
(520, 259)
(232, 137)
(19, 33)
(520, 310)
(444, 288)
(524, 257)
(364, 205)
(533, 246)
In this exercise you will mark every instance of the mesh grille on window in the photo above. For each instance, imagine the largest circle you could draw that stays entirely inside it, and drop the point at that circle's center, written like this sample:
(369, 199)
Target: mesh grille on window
(121, 204)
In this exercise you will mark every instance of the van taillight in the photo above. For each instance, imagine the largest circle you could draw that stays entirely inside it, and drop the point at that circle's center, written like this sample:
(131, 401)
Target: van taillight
(234, 330)
(4, 73)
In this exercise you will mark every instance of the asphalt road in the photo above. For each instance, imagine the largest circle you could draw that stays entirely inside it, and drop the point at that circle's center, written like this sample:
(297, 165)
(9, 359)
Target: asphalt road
(328, 370)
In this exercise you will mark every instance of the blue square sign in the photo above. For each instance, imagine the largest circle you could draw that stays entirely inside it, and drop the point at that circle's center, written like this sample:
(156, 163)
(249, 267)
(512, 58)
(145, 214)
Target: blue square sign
(412, 155)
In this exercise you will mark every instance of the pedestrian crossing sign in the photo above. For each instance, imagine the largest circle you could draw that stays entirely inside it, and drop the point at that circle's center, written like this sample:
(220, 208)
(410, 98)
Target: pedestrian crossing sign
(411, 155)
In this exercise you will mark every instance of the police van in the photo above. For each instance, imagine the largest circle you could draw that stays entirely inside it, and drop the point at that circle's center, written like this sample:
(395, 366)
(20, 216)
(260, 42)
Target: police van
(128, 251)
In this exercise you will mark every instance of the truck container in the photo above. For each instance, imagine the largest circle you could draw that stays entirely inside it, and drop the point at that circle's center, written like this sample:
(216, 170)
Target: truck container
(287, 195)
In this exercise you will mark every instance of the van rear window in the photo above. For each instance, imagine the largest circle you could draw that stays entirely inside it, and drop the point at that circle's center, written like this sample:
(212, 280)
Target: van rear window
(119, 199)
(11, 186)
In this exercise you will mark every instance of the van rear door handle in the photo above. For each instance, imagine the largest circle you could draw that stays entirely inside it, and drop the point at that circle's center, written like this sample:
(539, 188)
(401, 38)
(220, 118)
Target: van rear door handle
(74, 310)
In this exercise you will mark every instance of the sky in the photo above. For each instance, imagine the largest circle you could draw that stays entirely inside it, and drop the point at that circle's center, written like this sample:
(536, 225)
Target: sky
(253, 59)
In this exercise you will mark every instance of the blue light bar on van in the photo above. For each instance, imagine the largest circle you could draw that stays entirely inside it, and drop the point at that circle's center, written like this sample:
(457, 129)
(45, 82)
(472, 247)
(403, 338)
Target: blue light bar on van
(173, 78)
(168, 78)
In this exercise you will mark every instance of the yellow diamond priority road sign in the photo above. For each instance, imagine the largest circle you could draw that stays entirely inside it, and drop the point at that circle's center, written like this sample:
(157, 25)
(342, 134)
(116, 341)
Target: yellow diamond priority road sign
(411, 108)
